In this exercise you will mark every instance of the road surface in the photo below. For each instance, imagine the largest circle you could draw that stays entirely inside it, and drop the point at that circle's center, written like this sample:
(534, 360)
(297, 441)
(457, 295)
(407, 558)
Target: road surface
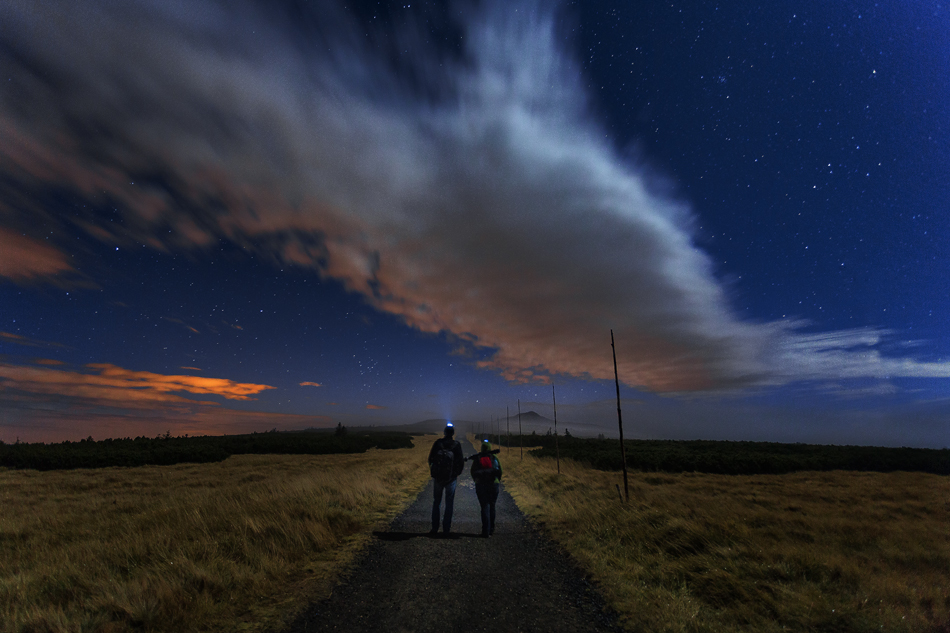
(516, 580)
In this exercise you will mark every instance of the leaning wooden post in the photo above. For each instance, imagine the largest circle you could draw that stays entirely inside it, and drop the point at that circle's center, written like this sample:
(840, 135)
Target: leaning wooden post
(557, 450)
(508, 428)
(520, 434)
(623, 451)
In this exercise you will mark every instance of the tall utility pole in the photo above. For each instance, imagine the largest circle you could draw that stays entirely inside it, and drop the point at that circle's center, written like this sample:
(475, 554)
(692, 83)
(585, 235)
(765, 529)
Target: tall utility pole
(623, 451)
(508, 428)
(557, 450)
(520, 435)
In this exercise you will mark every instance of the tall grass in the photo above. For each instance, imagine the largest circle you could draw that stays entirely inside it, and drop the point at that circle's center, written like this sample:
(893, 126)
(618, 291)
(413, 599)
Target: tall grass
(833, 551)
(238, 545)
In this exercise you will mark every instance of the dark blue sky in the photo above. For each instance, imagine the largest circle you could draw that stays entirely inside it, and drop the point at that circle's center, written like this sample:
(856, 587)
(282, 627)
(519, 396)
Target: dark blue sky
(435, 210)
(811, 142)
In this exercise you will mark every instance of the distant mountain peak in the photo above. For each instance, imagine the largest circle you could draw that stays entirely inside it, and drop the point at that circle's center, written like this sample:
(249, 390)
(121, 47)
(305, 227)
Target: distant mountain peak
(533, 416)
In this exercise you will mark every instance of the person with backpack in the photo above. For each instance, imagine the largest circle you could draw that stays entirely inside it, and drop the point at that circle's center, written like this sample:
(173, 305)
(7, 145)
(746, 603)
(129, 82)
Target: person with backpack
(446, 463)
(486, 471)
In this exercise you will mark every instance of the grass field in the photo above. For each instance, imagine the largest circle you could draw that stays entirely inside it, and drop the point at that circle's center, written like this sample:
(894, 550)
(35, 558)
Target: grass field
(238, 545)
(834, 551)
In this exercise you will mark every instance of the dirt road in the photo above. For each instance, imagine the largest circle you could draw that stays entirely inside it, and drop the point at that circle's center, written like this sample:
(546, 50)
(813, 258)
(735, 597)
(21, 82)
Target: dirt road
(409, 581)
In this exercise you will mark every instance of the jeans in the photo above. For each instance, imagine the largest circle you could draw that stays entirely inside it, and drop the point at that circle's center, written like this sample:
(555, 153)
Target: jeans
(449, 488)
(487, 494)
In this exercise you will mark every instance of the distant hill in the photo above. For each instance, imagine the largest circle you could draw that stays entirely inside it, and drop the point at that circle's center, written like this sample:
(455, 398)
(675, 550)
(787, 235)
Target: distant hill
(425, 427)
(534, 422)
(531, 422)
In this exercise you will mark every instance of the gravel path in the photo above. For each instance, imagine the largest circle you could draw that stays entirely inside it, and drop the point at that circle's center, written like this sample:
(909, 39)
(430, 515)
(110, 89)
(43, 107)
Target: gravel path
(408, 581)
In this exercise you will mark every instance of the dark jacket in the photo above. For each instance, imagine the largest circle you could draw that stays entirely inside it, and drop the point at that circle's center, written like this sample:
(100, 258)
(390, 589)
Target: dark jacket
(456, 449)
(486, 475)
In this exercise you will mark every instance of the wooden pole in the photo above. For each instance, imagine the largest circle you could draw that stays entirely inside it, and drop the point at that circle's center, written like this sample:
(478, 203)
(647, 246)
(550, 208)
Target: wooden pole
(520, 434)
(508, 428)
(623, 451)
(557, 450)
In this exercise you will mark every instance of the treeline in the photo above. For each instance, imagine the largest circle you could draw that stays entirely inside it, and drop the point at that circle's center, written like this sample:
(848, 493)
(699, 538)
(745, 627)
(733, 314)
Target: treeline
(736, 458)
(165, 450)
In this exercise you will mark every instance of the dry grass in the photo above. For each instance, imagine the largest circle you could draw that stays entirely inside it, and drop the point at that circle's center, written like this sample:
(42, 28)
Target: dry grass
(238, 545)
(837, 551)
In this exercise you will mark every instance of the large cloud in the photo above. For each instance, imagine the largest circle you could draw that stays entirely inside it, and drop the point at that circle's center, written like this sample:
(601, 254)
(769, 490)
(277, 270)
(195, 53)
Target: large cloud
(496, 211)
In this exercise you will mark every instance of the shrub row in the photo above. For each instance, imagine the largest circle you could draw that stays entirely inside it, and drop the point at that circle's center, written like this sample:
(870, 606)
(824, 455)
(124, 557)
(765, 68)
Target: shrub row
(737, 458)
(165, 450)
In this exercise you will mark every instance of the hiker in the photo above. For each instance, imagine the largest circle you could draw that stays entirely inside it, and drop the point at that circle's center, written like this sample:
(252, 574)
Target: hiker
(446, 463)
(486, 471)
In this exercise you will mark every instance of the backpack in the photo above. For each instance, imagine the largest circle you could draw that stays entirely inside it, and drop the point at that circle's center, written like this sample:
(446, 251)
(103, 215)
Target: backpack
(442, 467)
(485, 471)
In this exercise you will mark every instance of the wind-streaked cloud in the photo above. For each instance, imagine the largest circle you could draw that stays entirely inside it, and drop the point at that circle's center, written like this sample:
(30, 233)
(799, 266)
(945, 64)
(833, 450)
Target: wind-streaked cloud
(309, 384)
(26, 341)
(108, 385)
(375, 407)
(190, 328)
(23, 259)
(498, 213)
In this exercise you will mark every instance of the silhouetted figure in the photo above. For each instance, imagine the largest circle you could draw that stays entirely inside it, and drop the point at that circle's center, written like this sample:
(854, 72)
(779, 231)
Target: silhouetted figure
(446, 463)
(486, 471)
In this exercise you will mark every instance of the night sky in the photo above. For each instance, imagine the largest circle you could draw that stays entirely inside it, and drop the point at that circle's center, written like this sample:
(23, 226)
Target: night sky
(224, 217)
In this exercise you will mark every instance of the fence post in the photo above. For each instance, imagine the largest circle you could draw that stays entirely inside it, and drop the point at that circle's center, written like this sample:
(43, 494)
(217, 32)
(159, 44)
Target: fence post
(520, 434)
(557, 450)
(623, 451)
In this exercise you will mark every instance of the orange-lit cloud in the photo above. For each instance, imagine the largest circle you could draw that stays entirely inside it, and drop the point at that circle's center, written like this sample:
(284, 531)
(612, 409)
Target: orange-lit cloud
(310, 384)
(374, 407)
(192, 368)
(23, 259)
(181, 323)
(109, 385)
(48, 361)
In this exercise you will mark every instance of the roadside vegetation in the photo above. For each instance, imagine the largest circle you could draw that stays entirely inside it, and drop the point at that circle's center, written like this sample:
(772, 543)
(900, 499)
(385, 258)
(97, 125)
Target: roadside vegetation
(237, 545)
(809, 551)
(735, 458)
(165, 450)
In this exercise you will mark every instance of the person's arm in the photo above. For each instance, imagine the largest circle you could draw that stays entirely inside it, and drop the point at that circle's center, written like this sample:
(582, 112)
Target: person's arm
(432, 451)
(498, 465)
(459, 459)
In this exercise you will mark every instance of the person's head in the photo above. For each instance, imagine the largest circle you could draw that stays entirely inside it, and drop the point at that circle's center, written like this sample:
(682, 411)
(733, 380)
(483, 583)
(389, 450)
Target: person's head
(449, 430)
(486, 446)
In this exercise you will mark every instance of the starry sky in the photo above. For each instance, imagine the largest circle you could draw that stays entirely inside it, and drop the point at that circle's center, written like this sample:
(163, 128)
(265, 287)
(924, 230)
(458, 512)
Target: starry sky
(225, 217)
